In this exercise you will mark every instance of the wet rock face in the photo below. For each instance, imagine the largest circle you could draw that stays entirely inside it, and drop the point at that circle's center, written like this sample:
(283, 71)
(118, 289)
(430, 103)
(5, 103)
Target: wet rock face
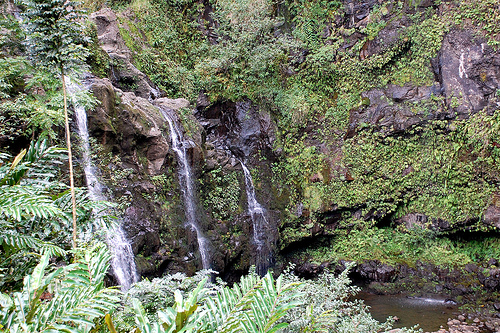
(240, 128)
(129, 127)
(375, 271)
(492, 216)
(124, 74)
(131, 123)
(234, 132)
(392, 110)
(469, 72)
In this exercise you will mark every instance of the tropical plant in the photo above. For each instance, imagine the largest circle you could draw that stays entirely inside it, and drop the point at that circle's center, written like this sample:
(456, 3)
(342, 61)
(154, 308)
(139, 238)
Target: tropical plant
(34, 209)
(183, 317)
(329, 306)
(68, 299)
(55, 41)
(253, 305)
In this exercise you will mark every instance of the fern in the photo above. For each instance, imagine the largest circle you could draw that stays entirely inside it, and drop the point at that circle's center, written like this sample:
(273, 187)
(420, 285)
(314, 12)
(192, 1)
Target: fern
(79, 296)
(224, 310)
(252, 305)
(35, 209)
(27, 242)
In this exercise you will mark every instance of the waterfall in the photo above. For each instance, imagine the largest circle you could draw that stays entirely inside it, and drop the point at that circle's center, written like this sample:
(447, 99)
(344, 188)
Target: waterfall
(260, 225)
(186, 184)
(122, 260)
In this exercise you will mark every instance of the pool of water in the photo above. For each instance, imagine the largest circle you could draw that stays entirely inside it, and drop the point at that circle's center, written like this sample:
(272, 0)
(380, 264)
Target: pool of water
(428, 312)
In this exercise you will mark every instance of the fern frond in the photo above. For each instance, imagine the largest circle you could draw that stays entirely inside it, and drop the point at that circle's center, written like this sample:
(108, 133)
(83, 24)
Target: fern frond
(23, 242)
(79, 297)
(35, 166)
(226, 309)
(17, 201)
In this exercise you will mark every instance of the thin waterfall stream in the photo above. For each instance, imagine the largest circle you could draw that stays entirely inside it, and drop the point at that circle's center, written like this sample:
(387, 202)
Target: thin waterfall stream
(186, 184)
(122, 261)
(260, 225)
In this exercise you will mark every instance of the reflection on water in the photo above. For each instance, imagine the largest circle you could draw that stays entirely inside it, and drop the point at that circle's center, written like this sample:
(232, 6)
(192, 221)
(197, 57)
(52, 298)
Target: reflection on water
(428, 313)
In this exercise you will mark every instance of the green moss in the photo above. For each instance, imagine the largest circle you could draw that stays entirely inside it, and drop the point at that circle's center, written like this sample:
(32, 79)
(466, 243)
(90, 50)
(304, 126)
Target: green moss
(447, 172)
(430, 170)
(393, 247)
(482, 16)
(98, 59)
(221, 194)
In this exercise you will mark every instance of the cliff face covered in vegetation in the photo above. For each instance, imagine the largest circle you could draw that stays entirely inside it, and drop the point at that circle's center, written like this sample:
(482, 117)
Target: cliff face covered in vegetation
(369, 128)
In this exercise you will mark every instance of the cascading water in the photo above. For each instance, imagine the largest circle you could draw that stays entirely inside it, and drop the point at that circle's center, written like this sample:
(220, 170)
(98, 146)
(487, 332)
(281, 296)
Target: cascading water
(122, 261)
(186, 183)
(260, 225)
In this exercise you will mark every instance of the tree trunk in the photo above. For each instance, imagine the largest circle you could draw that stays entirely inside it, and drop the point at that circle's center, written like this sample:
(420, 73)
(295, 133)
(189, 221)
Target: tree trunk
(70, 159)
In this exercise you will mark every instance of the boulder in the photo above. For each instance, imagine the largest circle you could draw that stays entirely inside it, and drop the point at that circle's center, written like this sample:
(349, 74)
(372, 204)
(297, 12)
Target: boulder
(124, 74)
(469, 72)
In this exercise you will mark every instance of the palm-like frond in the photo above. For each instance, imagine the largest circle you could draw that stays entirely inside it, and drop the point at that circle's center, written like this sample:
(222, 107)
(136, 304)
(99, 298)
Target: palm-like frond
(253, 305)
(25, 242)
(36, 209)
(79, 296)
(225, 309)
(20, 202)
(36, 165)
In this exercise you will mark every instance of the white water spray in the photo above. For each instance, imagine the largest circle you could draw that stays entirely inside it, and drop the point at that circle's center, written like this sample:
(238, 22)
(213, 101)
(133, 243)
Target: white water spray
(260, 225)
(122, 261)
(186, 183)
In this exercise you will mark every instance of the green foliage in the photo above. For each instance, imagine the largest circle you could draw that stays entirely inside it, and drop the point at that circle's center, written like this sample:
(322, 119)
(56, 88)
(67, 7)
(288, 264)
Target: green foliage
(12, 70)
(184, 317)
(246, 61)
(481, 15)
(35, 209)
(74, 296)
(295, 173)
(329, 307)
(158, 293)
(255, 304)
(394, 247)
(54, 34)
(30, 99)
(252, 305)
(97, 58)
(430, 171)
(221, 195)
(165, 43)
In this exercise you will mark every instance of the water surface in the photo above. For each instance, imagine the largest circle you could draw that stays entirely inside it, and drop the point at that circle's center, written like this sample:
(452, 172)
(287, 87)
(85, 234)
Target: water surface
(430, 313)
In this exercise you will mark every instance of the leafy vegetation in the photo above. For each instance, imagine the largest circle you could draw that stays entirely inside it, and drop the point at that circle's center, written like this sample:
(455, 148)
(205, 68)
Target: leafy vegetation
(255, 304)
(394, 247)
(30, 98)
(35, 210)
(67, 299)
(54, 40)
(222, 194)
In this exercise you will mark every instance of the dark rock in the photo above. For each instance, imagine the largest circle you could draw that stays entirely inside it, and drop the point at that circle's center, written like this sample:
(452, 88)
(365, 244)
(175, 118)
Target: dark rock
(413, 220)
(202, 102)
(374, 271)
(124, 74)
(469, 70)
(391, 110)
(493, 262)
(144, 266)
(471, 268)
(491, 216)
(449, 301)
(309, 270)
